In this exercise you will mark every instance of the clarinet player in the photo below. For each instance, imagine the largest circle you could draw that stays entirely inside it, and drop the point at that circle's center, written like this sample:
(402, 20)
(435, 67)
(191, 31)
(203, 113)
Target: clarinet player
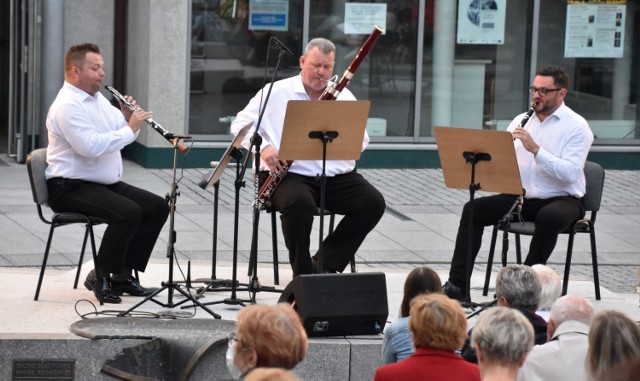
(551, 149)
(298, 195)
(86, 134)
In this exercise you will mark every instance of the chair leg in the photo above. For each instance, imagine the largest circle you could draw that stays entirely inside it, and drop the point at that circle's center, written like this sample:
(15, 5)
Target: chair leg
(567, 264)
(44, 262)
(518, 250)
(274, 245)
(84, 246)
(492, 249)
(94, 253)
(594, 260)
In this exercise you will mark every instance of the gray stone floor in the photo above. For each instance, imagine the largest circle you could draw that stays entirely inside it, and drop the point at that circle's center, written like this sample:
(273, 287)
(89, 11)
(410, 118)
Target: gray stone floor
(418, 228)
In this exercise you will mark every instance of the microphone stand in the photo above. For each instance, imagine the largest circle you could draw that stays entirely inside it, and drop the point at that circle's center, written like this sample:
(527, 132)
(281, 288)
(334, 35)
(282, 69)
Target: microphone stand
(170, 285)
(256, 143)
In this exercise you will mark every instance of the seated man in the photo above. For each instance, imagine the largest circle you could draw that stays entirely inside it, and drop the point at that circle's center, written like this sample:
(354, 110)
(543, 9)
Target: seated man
(551, 150)
(86, 134)
(517, 286)
(563, 356)
(298, 195)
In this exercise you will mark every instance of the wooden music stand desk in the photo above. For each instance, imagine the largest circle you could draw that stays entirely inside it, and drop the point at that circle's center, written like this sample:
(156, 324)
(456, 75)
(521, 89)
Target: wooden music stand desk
(477, 159)
(310, 125)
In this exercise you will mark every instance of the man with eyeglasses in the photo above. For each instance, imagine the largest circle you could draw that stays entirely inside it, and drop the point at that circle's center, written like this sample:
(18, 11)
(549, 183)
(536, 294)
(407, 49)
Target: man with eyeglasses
(551, 149)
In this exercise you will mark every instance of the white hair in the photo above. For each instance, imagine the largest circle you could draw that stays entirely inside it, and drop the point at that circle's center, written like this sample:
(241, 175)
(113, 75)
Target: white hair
(551, 285)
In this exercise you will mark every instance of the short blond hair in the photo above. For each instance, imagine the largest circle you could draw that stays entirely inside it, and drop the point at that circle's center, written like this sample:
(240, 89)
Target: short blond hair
(274, 332)
(504, 335)
(437, 322)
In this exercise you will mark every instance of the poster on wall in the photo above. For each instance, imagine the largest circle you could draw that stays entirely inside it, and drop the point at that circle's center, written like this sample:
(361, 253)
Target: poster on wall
(595, 28)
(269, 15)
(481, 22)
(360, 18)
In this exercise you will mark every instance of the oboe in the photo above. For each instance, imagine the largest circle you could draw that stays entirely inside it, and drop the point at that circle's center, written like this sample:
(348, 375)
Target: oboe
(330, 93)
(165, 134)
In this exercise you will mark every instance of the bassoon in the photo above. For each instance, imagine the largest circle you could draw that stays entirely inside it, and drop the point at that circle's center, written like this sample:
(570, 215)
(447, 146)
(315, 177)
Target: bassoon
(331, 93)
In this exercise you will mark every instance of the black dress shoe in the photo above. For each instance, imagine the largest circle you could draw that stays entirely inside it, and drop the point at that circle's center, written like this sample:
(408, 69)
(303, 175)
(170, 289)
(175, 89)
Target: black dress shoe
(314, 267)
(101, 287)
(131, 287)
(454, 292)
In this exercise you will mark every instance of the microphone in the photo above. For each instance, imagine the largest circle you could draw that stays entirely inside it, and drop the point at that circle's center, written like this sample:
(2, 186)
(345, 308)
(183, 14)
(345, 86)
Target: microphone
(282, 46)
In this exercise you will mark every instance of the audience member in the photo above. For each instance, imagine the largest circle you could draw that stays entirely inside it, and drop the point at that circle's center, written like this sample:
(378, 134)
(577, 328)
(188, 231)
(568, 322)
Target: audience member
(563, 356)
(271, 374)
(266, 336)
(397, 343)
(551, 288)
(438, 326)
(517, 286)
(614, 347)
(502, 337)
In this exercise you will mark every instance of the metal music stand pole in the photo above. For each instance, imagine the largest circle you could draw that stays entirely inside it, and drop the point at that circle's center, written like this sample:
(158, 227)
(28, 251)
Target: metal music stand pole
(170, 285)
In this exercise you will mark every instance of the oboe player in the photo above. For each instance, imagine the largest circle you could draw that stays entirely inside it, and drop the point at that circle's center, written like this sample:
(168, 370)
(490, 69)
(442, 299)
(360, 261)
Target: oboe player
(551, 149)
(86, 134)
(298, 195)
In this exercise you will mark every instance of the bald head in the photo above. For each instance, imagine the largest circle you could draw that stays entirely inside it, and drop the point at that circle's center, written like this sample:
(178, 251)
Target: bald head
(569, 307)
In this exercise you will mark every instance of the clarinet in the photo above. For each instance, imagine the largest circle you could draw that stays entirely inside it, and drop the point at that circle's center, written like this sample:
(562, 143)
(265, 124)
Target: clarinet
(331, 92)
(526, 116)
(173, 139)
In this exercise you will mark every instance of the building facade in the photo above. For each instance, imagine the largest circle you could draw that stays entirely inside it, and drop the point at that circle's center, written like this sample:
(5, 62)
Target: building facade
(464, 63)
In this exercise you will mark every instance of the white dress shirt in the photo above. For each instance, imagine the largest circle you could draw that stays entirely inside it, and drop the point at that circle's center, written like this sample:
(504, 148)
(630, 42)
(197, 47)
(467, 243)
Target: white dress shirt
(86, 134)
(558, 169)
(273, 121)
(562, 358)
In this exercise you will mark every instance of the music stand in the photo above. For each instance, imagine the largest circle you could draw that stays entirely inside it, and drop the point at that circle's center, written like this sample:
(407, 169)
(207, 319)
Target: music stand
(460, 151)
(310, 125)
(212, 178)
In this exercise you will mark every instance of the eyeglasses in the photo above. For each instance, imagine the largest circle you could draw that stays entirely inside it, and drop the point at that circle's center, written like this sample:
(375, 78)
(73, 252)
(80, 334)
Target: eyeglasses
(542, 91)
(232, 339)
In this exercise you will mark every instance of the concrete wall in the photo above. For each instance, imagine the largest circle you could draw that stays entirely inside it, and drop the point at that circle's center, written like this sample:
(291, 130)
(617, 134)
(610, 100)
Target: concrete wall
(157, 45)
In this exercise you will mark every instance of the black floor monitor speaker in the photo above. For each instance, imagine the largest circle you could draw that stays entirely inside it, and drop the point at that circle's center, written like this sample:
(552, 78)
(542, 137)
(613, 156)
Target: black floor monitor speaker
(339, 304)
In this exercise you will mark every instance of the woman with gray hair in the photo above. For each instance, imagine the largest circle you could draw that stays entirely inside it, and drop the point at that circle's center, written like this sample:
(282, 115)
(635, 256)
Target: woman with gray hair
(517, 287)
(502, 337)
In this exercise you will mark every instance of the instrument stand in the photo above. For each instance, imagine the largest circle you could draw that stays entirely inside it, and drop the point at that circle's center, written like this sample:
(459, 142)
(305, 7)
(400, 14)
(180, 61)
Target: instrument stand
(307, 122)
(459, 147)
(233, 300)
(213, 178)
(170, 285)
(213, 282)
